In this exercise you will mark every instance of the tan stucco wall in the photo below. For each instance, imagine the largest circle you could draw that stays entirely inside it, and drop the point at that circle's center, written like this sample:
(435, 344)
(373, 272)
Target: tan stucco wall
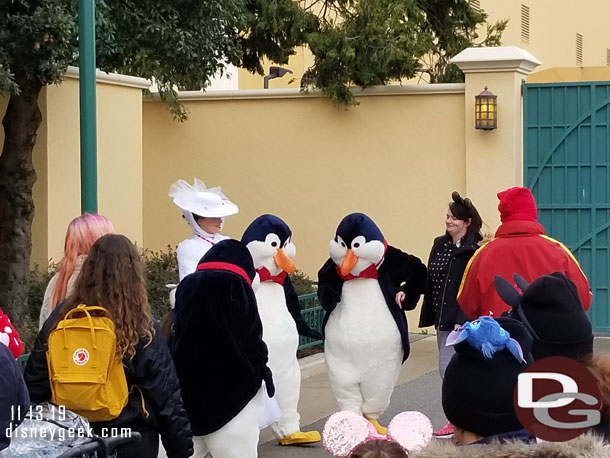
(119, 159)
(553, 28)
(567, 74)
(396, 158)
(57, 162)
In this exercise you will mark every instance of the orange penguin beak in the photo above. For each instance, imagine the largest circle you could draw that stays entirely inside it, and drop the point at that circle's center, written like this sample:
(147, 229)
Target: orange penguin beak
(349, 262)
(283, 261)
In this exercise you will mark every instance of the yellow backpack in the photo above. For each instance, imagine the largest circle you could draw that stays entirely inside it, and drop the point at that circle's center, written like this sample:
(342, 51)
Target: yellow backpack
(85, 371)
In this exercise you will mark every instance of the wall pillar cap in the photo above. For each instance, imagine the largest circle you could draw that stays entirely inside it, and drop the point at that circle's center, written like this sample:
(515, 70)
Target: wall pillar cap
(496, 59)
(116, 79)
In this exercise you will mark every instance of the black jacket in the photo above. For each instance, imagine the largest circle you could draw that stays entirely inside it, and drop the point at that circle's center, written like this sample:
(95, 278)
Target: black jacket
(450, 312)
(398, 272)
(218, 348)
(14, 400)
(151, 370)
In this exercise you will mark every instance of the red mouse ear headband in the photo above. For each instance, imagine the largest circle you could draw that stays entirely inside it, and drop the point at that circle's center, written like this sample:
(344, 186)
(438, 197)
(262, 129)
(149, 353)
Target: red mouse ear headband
(345, 431)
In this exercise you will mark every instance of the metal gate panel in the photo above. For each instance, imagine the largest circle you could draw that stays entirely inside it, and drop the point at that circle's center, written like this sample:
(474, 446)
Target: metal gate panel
(567, 167)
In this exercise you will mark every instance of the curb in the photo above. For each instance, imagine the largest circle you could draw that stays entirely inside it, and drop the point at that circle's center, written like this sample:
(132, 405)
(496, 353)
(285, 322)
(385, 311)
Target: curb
(312, 365)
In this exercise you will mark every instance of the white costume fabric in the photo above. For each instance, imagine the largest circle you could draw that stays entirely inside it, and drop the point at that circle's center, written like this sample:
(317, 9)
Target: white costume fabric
(236, 439)
(362, 372)
(282, 339)
(199, 200)
(191, 250)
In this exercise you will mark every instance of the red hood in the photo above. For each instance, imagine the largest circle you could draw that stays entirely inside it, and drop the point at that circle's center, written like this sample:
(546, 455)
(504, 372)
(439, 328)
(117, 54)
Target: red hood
(520, 228)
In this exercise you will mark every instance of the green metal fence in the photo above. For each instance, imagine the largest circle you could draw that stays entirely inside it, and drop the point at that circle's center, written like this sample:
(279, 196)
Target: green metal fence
(313, 314)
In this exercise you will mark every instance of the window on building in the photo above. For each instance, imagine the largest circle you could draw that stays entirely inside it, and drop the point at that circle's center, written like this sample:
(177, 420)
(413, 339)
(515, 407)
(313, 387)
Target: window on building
(476, 5)
(578, 49)
(525, 23)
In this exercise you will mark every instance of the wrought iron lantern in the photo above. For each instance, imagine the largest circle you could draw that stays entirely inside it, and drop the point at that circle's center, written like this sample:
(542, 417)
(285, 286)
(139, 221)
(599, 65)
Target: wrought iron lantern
(485, 111)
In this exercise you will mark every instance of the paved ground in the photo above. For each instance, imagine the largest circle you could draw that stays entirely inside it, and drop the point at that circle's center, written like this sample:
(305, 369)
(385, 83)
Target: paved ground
(418, 388)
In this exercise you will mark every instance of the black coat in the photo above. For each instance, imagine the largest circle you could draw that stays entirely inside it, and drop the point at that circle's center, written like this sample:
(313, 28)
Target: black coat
(151, 370)
(218, 349)
(449, 313)
(398, 272)
(14, 399)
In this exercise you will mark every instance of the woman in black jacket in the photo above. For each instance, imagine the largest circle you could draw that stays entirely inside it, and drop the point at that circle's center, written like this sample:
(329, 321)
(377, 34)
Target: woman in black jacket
(448, 259)
(112, 277)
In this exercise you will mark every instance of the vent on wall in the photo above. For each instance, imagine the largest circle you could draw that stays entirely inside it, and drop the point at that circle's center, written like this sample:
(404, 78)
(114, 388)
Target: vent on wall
(525, 23)
(578, 49)
(476, 5)
(608, 57)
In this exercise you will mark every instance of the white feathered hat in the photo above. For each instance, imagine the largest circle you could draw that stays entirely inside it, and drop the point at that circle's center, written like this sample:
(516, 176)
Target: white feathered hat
(197, 199)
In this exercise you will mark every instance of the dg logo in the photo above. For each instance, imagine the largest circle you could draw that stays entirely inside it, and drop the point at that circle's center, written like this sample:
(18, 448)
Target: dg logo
(557, 399)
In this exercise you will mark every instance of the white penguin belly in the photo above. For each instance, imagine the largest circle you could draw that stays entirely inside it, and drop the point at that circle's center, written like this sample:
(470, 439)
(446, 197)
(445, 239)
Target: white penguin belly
(361, 330)
(279, 329)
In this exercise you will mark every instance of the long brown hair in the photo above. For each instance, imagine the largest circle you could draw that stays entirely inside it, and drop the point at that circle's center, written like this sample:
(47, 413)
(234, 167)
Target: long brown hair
(112, 277)
(379, 448)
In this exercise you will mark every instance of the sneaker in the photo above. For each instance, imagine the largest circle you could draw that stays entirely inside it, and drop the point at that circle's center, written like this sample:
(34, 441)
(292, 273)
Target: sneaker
(445, 431)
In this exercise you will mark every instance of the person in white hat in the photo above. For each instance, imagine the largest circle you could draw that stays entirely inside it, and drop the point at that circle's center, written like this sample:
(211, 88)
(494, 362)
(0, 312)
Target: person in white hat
(205, 210)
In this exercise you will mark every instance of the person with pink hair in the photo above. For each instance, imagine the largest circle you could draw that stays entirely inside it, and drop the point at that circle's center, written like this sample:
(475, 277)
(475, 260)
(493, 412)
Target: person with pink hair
(82, 233)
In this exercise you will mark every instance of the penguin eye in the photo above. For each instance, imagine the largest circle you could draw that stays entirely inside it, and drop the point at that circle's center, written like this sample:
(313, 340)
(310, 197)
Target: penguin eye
(286, 242)
(358, 241)
(341, 242)
(273, 240)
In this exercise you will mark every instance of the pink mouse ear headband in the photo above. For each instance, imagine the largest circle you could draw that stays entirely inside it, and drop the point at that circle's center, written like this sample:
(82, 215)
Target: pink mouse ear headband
(345, 431)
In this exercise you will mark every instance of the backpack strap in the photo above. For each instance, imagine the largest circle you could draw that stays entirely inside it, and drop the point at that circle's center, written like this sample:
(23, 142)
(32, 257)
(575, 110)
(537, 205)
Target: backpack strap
(84, 309)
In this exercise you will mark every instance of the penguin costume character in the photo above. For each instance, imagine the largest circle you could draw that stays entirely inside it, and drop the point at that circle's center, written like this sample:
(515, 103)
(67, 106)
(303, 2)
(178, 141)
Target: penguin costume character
(219, 353)
(366, 332)
(268, 239)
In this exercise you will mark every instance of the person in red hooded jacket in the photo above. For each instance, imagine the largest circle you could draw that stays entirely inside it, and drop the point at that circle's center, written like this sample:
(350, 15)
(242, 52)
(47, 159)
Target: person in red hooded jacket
(519, 246)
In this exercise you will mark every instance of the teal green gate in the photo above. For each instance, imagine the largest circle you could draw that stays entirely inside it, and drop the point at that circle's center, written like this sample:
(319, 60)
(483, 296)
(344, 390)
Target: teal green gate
(567, 167)
(313, 314)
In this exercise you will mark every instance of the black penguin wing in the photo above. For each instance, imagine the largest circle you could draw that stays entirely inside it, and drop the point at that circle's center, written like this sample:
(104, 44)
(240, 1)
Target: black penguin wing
(292, 302)
(329, 286)
(399, 267)
(407, 273)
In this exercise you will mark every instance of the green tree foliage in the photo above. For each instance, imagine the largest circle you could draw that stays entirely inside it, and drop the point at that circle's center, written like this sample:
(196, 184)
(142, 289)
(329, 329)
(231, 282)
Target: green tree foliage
(375, 42)
(454, 27)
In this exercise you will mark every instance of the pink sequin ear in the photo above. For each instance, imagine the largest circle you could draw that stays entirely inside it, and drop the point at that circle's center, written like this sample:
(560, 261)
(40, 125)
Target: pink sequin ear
(411, 430)
(343, 432)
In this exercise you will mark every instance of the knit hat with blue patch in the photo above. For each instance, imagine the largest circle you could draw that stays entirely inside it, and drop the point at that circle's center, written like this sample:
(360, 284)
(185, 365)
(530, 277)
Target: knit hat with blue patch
(477, 392)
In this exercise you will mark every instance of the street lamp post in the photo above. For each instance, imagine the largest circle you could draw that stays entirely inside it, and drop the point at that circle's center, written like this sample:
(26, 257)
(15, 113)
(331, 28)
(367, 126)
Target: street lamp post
(88, 135)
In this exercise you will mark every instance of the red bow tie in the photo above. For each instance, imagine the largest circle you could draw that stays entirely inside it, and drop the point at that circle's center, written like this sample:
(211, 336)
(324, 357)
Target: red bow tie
(369, 272)
(265, 275)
